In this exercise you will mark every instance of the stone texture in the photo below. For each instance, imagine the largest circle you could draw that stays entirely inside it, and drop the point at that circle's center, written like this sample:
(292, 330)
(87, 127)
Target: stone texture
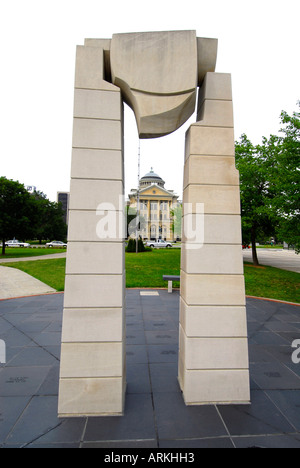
(213, 352)
(92, 372)
(213, 348)
(207, 289)
(98, 134)
(226, 386)
(215, 170)
(90, 397)
(160, 82)
(94, 291)
(92, 325)
(92, 164)
(213, 321)
(217, 199)
(95, 258)
(212, 259)
(91, 360)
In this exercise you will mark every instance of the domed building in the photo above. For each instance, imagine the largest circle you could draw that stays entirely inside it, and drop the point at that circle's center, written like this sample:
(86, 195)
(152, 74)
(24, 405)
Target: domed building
(156, 207)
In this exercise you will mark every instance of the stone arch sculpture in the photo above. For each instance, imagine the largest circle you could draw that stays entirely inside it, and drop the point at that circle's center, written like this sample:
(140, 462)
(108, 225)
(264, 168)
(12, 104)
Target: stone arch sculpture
(159, 75)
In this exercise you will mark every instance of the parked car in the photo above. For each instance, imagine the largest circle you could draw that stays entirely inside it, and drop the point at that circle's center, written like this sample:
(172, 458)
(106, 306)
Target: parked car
(16, 243)
(159, 244)
(56, 244)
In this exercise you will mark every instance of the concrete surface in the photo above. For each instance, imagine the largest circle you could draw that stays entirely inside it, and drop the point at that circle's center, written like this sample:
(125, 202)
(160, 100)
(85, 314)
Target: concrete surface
(284, 259)
(16, 283)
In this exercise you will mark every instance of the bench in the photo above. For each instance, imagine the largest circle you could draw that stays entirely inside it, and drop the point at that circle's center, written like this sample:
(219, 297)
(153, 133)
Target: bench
(170, 279)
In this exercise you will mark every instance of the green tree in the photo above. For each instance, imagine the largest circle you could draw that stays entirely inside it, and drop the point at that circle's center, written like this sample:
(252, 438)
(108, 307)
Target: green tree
(18, 214)
(286, 180)
(270, 181)
(51, 224)
(253, 163)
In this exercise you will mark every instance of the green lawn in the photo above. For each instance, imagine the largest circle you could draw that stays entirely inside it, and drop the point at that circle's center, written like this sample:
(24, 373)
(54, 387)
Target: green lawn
(18, 252)
(145, 270)
(272, 283)
(50, 272)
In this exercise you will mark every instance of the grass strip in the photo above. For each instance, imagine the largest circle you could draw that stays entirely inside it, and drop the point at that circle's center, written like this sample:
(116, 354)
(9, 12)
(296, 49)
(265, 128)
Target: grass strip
(50, 272)
(145, 270)
(18, 252)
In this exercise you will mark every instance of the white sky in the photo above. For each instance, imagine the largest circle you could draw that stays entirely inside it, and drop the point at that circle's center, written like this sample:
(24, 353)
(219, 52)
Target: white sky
(258, 45)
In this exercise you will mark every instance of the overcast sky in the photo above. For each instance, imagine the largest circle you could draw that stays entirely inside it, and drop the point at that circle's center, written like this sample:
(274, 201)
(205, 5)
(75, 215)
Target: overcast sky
(258, 45)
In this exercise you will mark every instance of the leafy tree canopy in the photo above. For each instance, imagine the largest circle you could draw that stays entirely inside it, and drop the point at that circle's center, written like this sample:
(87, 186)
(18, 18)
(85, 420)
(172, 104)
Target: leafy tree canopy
(270, 181)
(24, 215)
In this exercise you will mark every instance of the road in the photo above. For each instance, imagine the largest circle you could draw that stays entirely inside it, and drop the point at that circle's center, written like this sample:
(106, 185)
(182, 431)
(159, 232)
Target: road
(284, 259)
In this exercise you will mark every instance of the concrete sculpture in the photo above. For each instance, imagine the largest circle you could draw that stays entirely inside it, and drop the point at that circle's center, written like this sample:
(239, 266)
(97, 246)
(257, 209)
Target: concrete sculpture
(157, 74)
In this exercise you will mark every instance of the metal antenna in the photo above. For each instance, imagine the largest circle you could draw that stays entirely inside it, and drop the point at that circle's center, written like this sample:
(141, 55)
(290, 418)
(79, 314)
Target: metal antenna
(138, 198)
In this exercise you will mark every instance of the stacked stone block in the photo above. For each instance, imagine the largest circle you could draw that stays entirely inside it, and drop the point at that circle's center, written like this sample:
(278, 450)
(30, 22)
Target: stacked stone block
(92, 373)
(213, 355)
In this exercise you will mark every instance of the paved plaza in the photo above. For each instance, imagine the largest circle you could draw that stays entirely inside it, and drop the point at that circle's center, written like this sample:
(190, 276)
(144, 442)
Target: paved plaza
(155, 414)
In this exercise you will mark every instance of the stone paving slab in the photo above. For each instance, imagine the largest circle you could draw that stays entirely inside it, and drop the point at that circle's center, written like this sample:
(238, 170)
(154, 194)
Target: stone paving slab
(155, 413)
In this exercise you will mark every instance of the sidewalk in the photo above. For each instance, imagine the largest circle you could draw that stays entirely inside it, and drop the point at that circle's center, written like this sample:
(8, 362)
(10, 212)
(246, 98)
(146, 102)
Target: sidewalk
(32, 258)
(16, 283)
(155, 414)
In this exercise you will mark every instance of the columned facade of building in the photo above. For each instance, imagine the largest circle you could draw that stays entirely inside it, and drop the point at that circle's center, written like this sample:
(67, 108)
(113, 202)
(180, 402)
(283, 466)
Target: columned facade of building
(156, 208)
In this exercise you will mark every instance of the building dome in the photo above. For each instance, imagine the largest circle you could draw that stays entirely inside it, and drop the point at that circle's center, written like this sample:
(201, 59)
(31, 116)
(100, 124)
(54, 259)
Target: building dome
(151, 178)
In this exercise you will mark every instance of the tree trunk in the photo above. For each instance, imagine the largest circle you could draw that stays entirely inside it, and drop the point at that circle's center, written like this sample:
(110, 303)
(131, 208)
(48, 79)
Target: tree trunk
(3, 247)
(253, 242)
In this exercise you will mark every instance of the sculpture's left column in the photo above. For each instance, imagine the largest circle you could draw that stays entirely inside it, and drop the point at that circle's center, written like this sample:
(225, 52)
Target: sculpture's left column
(92, 370)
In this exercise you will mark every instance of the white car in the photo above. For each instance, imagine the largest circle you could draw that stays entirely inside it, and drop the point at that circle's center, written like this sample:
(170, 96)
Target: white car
(16, 243)
(159, 244)
(56, 244)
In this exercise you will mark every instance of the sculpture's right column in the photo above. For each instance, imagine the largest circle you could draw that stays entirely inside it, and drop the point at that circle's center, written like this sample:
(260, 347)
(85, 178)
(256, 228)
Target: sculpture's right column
(213, 354)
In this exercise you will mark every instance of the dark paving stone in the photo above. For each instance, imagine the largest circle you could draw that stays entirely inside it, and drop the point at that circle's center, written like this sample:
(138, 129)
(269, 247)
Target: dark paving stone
(48, 338)
(47, 427)
(265, 337)
(53, 350)
(163, 353)
(155, 413)
(136, 444)
(32, 356)
(136, 424)
(290, 336)
(288, 402)
(282, 354)
(136, 354)
(260, 418)
(51, 382)
(158, 325)
(14, 338)
(160, 337)
(164, 377)
(21, 381)
(277, 326)
(175, 420)
(219, 442)
(137, 378)
(259, 353)
(134, 336)
(10, 410)
(274, 441)
(274, 376)
(5, 326)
